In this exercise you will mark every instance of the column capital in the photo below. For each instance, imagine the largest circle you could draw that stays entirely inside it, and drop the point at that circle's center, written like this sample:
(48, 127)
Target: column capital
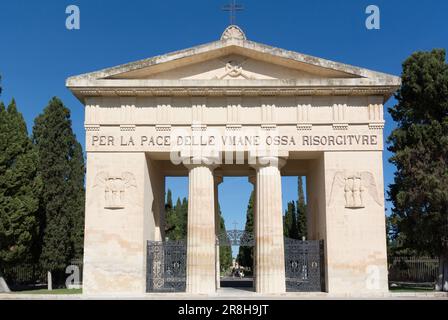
(200, 161)
(269, 161)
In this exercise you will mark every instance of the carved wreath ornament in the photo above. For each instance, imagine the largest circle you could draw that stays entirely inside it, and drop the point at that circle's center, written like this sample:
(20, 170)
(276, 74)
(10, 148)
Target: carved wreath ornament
(115, 188)
(357, 186)
(233, 69)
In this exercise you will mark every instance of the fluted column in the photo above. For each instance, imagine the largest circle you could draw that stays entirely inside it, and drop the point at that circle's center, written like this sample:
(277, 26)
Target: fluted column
(269, 253)
(218, 181)
(201, 229)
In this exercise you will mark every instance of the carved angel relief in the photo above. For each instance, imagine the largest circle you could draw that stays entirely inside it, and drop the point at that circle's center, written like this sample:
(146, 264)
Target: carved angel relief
(356, 187)
(115, 188)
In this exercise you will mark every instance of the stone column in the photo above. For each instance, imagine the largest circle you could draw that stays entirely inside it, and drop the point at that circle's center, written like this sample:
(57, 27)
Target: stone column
(218, 181)
(201, 229)
(270, 253)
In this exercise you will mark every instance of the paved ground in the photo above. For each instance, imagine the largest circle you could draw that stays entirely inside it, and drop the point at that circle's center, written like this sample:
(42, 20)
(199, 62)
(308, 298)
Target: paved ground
(246, 283)
(235, 294)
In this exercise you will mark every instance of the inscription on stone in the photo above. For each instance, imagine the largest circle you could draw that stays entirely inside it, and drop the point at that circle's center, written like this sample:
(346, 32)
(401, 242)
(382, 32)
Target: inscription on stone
(242, 140)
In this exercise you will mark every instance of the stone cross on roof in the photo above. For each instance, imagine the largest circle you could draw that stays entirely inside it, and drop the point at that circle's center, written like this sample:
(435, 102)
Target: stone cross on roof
(233, 8)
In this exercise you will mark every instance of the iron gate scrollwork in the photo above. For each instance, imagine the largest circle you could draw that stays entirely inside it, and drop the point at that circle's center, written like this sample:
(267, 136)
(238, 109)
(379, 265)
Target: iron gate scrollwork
(304, 270)
(166, 266)
(235, 238)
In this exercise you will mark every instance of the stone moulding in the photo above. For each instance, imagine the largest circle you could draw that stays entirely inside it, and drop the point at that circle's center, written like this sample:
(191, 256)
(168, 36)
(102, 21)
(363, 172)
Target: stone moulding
(234, 127)
(226, 91)
(304, 127)
(92, 127)
(163, 127)
(269, 127)
(198, 127)
(376, 126)
(127, 128)
(340, 126)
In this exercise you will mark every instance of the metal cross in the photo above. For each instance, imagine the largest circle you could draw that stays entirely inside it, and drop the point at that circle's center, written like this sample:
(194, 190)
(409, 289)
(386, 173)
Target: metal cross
(236, 225)
(233, 8)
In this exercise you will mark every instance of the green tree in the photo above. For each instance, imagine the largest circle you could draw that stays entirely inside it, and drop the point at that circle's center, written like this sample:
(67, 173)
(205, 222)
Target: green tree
(170, 222)
(420, 147)
(301, 212)
(172, 229)
(169, 201)
(225, 251)
(290, 229)
(20, 187)
(176, 219)
(184, 218)
(61, 168)
(245, 256)
(287, 220)
(76, 201)
(294, 231)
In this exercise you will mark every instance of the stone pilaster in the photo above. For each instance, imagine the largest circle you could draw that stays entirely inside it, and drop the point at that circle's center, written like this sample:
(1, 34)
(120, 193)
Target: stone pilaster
(201, 229)
(270, 253)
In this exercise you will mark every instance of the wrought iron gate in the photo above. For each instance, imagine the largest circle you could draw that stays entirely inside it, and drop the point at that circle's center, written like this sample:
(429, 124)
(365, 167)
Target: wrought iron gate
(166, 266)
(235, 238)
(304, 262)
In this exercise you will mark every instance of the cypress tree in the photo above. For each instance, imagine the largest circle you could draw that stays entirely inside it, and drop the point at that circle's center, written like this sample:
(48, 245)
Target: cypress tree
(293, 231)
(20, 187)
(246, 254)
(169, 201)
(420, 147)
(225, 251)
(287, 221)
(176, 219)
(173, 221)
(170, 222)
(301, 211)
(77, 200)
(61, 168)
(184, 218)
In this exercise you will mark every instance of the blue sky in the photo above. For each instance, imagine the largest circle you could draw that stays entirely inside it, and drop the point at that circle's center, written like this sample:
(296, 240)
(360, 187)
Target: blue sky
(37, 52)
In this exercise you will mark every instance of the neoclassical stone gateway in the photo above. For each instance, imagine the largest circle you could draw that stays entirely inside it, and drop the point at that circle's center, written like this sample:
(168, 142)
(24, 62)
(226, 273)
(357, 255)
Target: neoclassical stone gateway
(234, 107)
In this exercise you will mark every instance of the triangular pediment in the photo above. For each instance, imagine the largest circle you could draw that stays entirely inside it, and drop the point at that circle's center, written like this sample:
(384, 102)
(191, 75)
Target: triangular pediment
(232, 66)
(233, 61)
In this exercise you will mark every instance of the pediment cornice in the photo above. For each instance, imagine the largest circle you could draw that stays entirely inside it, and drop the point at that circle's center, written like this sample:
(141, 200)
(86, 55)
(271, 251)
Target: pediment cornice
(334, 77)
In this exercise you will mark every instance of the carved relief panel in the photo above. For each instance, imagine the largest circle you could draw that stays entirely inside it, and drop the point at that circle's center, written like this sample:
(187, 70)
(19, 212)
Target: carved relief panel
(116, 189)
(356, 187)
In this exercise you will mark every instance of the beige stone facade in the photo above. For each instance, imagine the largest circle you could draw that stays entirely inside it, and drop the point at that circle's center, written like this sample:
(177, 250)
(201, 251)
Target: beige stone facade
(234, 108)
